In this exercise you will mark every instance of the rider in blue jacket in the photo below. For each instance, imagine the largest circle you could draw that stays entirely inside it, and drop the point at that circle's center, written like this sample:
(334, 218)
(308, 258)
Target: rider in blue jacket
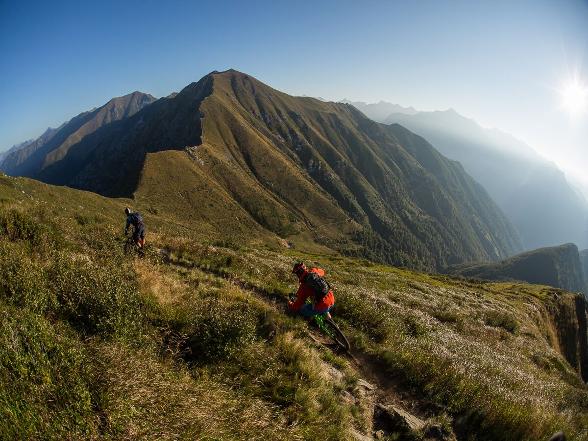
(136, 220)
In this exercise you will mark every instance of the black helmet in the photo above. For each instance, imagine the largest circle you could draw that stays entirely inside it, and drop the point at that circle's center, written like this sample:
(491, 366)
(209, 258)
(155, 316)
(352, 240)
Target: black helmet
(299, 268)
(127, 211)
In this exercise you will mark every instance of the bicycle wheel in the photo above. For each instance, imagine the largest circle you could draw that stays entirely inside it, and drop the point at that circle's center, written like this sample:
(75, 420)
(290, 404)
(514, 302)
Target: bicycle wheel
(128, 247)
(336, 334)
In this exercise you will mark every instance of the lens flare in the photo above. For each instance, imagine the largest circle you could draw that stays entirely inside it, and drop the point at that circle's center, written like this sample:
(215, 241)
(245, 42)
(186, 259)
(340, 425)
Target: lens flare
(574, 97)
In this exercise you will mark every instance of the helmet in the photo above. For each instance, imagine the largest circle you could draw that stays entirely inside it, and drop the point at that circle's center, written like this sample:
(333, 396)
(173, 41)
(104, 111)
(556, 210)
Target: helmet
(299, 268)
(127, 211)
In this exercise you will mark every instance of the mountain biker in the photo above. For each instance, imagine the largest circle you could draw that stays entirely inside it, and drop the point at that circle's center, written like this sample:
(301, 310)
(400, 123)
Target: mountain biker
(136, 220)
(320, 304)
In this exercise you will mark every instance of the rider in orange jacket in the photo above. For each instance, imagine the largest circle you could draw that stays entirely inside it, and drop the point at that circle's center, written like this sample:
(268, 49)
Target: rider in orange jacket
(323, 306)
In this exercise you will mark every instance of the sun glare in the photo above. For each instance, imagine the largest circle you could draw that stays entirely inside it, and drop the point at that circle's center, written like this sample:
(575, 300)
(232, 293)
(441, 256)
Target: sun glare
(574, 97)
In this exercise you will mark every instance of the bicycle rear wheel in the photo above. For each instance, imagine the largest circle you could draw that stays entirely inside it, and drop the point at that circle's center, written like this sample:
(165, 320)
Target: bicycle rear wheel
(336, 334)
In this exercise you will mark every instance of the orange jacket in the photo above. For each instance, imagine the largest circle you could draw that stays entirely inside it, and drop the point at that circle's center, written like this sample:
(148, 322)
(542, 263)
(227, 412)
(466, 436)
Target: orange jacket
(304, 292)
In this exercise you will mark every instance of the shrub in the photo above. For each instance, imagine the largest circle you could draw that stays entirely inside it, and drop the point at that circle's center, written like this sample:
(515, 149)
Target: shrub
(447, 315)
(214, 331)
(414, 327)
(44, 386)
(19, 226)
(500, 319)
(366, 314)
(98, 298)
(22, 282)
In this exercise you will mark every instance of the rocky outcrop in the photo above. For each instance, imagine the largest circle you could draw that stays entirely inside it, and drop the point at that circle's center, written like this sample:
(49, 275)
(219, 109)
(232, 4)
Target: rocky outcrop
(570, 333)
(584, 263)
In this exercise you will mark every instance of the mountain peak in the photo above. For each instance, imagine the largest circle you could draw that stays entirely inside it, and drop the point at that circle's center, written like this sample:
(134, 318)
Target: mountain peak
(136, 95)
(285, 164)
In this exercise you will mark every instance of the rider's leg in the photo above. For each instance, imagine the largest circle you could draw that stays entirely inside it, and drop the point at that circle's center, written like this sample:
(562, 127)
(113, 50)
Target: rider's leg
(141, 234)
(308, 310)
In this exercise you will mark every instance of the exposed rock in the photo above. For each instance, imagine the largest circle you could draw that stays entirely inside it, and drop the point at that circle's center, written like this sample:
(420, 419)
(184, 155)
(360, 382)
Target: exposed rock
(393, 418)
(362, 383)
(347, 397)
(569, 321)
(584, 262)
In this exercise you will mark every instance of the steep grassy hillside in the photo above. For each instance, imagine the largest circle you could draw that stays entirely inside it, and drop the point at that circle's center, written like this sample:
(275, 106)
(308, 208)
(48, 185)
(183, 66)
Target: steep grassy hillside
(192, 341)
(229, 150)
(555, 266)
(535, 195)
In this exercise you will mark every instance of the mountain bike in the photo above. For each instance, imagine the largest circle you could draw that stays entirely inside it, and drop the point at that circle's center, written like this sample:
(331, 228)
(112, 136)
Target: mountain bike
(328, 327)
(131, 247)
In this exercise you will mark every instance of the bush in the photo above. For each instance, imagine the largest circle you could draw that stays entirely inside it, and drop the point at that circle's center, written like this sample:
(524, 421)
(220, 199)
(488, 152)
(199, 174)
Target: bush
(445, 315)
(214, 331)
(19, 226)
(22, 282)
(44, 386)
(366, 314)
(500, 319)
(98, 298)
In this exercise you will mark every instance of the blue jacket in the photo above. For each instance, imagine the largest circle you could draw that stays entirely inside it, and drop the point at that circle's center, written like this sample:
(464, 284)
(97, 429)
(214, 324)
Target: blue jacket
(134, 219)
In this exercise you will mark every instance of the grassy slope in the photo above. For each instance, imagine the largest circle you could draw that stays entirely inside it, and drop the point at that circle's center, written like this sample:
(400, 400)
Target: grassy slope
(332, 164)
(97, 346)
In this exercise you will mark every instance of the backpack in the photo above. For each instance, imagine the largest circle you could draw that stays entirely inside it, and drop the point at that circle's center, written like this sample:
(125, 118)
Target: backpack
(136, 219)
(320, 287)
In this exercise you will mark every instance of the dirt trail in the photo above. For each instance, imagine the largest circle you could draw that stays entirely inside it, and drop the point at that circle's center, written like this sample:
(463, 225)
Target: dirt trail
(395, 407)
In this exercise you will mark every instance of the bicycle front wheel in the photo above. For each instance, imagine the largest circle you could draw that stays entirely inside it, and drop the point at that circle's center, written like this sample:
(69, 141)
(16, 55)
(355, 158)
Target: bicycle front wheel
(336, 334)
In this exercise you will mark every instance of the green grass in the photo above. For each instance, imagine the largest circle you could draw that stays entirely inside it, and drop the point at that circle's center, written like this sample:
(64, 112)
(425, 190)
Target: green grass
(88, 350)
(193, 342)
(45, 386)
(468, 346)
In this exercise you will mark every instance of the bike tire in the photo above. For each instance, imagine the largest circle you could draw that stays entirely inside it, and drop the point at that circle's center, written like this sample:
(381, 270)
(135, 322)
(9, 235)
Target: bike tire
(336, 334)
(128, 247)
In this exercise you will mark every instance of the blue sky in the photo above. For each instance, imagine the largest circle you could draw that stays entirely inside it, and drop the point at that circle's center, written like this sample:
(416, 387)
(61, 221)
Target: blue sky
(500, 62)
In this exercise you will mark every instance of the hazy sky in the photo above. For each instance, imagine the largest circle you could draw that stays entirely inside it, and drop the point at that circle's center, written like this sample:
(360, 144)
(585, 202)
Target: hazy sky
(500, 63)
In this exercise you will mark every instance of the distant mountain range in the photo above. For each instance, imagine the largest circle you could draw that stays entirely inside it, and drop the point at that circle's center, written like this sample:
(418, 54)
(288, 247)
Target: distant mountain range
(231, 147)
(382, 110)
(559, 266)
(35, 158)
(25, 147)
(532, 192)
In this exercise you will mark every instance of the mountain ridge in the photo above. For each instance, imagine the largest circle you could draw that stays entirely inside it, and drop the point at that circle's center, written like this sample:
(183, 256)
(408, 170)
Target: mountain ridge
(296, 167)
(528, 184)
(560, 267)
(31, 158)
